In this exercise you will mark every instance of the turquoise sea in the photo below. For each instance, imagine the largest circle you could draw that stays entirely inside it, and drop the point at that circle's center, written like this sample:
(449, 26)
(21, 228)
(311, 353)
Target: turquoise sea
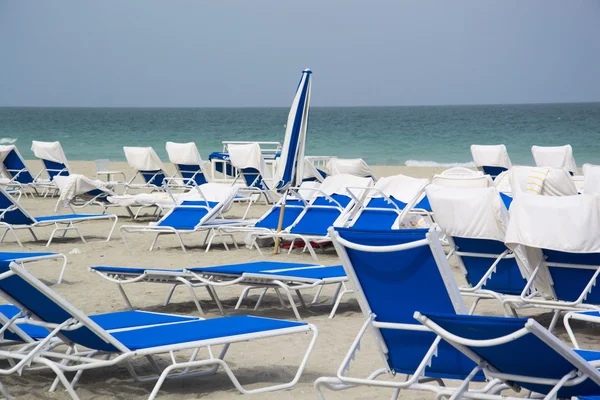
(380, 135)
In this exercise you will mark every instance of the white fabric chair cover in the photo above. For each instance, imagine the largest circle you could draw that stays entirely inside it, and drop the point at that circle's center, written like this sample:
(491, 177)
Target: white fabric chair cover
(480, 181)
(400, 187)
(74, 185)
(51, 151)
(490, 156)
(469, 212)
(558, 182)
(143, 159)
(183, 153)
(591, 174)
(461, 171)
(340, 184)
(249, 156)
(554, 157)
(355, 166)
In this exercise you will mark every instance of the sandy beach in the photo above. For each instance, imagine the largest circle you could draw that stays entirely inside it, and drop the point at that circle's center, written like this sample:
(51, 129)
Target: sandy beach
(266, 361)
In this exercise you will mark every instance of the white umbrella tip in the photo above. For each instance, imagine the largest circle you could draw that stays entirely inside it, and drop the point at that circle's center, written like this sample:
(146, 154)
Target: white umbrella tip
(307, 70)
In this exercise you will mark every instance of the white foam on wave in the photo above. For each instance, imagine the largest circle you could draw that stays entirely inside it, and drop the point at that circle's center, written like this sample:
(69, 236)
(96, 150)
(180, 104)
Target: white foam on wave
(7, 140)
(418, 163)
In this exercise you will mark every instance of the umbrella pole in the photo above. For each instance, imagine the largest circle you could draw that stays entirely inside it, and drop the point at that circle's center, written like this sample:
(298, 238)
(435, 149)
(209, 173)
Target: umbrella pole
(280, 223)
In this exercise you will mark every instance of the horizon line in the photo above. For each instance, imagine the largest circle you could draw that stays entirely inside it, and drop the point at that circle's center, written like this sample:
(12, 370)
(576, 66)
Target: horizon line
(344, 106)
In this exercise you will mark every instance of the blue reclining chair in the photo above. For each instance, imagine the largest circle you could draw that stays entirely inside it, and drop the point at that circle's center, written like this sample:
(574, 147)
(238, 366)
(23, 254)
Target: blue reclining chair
(13, 166)
(520, 353)
(108, 348)
(474, 221)
(395, 273)
(14, 217)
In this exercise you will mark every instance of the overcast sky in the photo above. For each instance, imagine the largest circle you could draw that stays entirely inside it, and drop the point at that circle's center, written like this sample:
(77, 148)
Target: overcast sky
(251, 53)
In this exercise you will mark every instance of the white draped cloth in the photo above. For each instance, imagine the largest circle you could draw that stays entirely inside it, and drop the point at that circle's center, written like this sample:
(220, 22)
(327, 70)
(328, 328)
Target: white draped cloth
(143, 159)
(51, 151)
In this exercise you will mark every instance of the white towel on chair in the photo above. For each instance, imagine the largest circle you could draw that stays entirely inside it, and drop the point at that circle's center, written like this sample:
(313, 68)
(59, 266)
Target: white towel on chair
(535, 180)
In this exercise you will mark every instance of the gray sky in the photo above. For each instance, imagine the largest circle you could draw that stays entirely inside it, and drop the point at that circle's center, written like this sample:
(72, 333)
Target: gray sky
(251, 53)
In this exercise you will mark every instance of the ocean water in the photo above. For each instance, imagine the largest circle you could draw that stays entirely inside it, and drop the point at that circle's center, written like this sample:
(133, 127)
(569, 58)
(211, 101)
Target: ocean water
(380, 135)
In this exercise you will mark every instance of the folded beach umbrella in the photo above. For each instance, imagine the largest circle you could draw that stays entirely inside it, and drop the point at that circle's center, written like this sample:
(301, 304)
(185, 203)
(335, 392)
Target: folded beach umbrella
(290, 167)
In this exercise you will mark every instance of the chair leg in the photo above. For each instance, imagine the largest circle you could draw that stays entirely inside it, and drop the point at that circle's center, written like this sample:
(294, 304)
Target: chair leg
(242, 297)
(32, 234)
(112, 229)
(260, 298)
(213, 295)
(555, 318)
(169, 295)
(124, 295)
(154, 241)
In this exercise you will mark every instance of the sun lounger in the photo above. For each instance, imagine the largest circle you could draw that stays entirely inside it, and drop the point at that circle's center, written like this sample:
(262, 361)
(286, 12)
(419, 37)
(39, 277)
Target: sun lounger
(520, 353)
(555, 157)
(190, 216)
(54, 162)
(14, 217)
(145, 162)
(545, 181)
(560, 238)
(110, 348)
(388, 204)
(328, 208)
(188, 164)
(27, 257)
(16, 173)
(395, 273)
(491, 159)
(263, 275)
(248, 160)
(474, 223)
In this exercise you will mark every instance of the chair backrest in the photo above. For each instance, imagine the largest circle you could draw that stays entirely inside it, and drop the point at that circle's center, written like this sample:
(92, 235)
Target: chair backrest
(331, 202)
(384, 202)
(192, 213)
(395, 273)
(480, 181)
(591, 174)
(352, 166)
(29, 293)
(52, 156)
(555, 157)
(474, 221)
(553, 181)
(145, 162)
(566, 232)
(518, 347)
(248, 160)
(270, 220)
(460, 172)
(13, 165)
(11, 211)
(491, 159)
(187, 160)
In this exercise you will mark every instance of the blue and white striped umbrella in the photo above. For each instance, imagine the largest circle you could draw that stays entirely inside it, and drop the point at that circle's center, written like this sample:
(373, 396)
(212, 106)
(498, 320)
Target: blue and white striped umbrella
(290, 168)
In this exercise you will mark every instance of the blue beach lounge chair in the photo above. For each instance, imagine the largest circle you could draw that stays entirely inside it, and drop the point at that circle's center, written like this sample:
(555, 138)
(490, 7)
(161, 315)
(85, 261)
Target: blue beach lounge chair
(17, 175)
(388, 203)
(394, 273)
(27, 257)
(474, 222)
(329, 207)
(108, 348)
(54, 164)
(561, 248)
(188, 164)
(188, 217)
(491, 159)
(145, 162)
(252, 168)
(520, 353)
(14, 217)
(264, 275)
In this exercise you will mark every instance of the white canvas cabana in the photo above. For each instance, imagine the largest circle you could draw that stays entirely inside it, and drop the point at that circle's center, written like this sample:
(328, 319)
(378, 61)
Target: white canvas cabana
(555, 157)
